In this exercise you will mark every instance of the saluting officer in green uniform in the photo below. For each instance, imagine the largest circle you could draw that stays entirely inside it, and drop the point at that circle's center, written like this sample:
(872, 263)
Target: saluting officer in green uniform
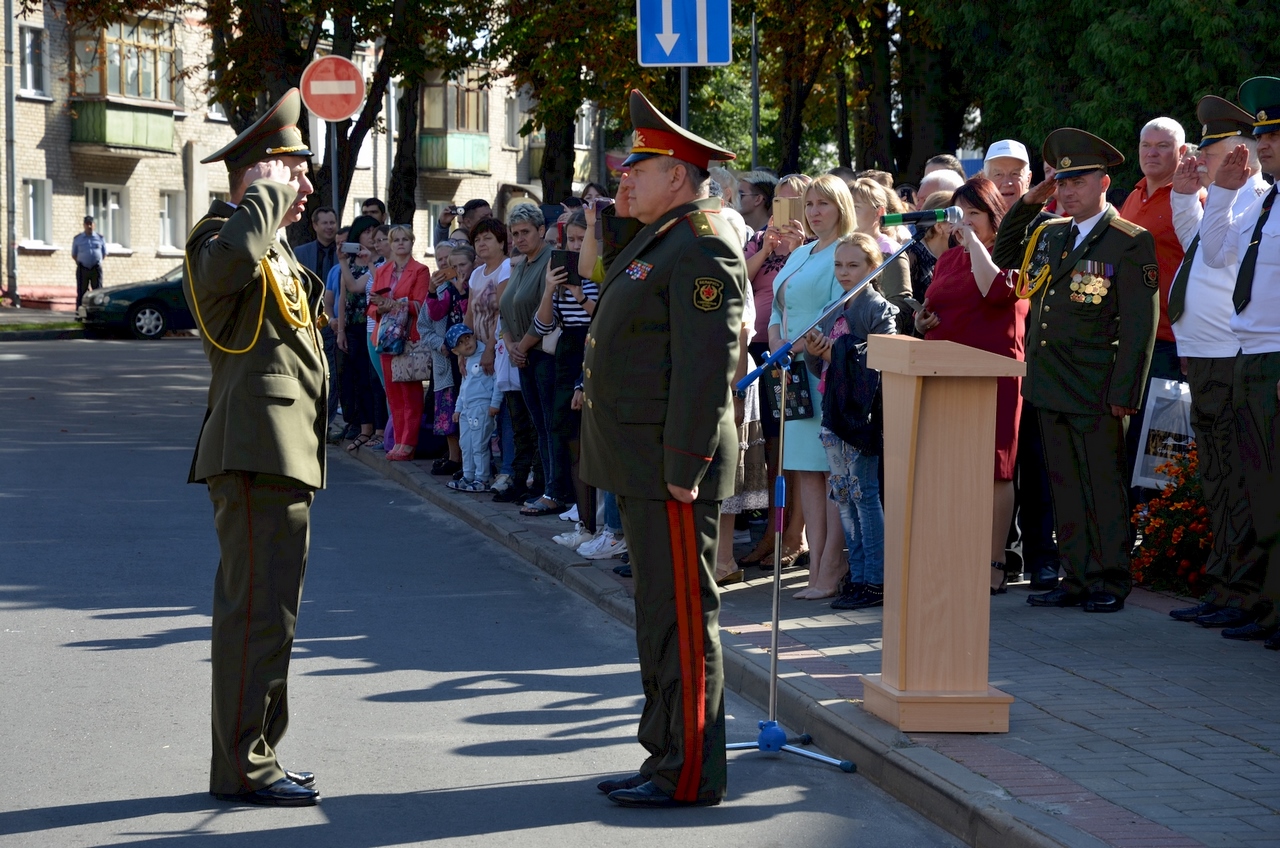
(1092, 279)
(658, 431)
(261, 450)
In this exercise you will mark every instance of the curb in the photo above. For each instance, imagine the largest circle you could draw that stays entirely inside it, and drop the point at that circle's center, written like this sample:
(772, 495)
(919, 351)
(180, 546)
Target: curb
(963, 803)
(39, 335)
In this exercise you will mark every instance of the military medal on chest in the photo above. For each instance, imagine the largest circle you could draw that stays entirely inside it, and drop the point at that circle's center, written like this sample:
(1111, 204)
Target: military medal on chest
(1090, 281)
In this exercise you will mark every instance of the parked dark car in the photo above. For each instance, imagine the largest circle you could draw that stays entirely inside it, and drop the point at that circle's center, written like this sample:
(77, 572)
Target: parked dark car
(148, 309)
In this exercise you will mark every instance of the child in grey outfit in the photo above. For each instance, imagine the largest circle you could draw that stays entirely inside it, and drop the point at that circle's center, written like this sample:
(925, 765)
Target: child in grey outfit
(477, 408)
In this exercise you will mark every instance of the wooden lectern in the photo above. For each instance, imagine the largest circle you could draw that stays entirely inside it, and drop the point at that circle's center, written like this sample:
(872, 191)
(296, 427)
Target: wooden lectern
(939, 463)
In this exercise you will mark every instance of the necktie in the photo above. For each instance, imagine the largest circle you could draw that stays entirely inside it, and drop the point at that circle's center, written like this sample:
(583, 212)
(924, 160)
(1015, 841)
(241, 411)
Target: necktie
(1072, 237)
(1244, 278)
(1178, 291)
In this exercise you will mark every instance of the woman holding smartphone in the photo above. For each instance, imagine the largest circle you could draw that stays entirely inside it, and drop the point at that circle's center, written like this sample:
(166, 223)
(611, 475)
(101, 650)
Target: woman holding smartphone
(972, 302)
(401, 285)
(803, 288)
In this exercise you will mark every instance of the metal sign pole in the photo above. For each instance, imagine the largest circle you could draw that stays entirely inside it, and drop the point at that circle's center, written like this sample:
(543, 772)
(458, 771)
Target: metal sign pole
(333, 169)
(755, 94)
(684, 98)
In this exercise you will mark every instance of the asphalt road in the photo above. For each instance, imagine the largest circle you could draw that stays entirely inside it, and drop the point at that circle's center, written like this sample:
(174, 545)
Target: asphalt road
(444, 690)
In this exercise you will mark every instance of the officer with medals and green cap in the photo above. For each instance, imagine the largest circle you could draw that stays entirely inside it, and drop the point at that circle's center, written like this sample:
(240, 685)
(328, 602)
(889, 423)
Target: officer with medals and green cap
(1200, 310)
(1092, 281)
(1250, 239)
(261, 449)
(658, 431)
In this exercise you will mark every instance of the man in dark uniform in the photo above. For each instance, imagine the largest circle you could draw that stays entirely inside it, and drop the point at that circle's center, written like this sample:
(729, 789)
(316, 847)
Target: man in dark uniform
(1252, 238)
(261, 450)
(1200, 311)
(658, 431)
(1092, 280)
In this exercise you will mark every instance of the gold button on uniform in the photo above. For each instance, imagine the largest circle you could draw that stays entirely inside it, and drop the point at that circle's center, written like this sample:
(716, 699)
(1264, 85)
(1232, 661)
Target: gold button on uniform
(593, 342)
(1043, 343)
(1050, 291)
(588, 373)
(1047, 307)
(1044, 326)
(591, 404)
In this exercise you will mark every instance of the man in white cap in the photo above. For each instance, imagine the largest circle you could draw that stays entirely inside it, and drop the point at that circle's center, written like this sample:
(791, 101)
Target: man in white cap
(1009, 167)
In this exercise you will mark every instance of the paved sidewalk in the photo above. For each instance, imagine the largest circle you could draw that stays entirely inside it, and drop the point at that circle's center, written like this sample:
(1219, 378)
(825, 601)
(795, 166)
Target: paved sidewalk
(1127, 730)
(11, 317)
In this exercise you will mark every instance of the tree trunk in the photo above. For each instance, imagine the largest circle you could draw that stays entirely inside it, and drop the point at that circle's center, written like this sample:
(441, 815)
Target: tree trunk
(875, 129)
(842, 116)
(558, 158)
(402, 190)
(933, 106)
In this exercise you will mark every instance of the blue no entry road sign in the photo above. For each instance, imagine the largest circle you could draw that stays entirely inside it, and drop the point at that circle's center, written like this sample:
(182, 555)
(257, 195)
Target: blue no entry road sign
(684, 32)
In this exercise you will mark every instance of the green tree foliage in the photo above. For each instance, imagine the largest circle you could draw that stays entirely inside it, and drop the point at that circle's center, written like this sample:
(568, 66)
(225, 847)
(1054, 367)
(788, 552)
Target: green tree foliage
(1106, 67)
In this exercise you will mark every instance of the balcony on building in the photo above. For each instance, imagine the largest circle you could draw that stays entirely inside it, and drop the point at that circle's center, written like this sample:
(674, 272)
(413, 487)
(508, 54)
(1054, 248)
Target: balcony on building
(454, 139)
(124, 89)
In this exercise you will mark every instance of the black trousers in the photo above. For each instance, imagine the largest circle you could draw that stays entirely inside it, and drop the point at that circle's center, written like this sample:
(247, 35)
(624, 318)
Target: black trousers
(1034, 496)
(526, 441)
(86, 279)
(1253, 395)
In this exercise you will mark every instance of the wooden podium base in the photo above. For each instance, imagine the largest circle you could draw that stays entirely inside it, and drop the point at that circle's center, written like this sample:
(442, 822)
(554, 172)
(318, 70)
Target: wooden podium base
(935, 712)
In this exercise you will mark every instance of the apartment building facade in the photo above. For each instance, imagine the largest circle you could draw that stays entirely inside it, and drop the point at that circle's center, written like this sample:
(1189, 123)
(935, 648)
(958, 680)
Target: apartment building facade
(114, 124)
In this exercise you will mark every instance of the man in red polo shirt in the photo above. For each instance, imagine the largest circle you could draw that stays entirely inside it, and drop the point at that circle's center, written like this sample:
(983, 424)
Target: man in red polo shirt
(1161, 145)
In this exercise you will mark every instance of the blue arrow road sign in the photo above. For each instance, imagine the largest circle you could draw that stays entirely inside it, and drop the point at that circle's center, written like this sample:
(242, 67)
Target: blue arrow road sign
(684, 32)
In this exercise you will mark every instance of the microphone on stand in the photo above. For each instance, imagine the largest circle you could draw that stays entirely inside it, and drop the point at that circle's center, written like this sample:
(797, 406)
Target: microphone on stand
(951, 215)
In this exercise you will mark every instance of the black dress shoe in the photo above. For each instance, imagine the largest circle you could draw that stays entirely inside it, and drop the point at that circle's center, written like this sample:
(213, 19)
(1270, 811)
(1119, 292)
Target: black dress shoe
(1192, 613)
(302, 778)
(512, 495)
(1103, 602)
(648, 795)
(1272, 644)
(1056, 598)
(616, 783)
(1249, 632)
(283, 793)
(1228, 617)
(1044, 577)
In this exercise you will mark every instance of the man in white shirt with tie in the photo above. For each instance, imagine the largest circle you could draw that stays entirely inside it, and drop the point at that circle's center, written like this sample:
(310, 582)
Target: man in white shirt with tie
(1200, 310)
(1252, 239)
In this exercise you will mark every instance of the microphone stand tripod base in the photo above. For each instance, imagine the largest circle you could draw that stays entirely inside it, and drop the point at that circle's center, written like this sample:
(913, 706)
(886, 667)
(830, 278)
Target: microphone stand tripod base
(773, 740)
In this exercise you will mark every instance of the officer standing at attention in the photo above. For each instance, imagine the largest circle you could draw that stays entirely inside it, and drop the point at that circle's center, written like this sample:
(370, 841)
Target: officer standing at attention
(1252, 238)
(658, 431)
(261, 450)
(1092, 280)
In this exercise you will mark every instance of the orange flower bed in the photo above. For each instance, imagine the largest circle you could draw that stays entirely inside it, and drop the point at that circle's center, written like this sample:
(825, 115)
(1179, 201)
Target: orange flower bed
(1175, 531)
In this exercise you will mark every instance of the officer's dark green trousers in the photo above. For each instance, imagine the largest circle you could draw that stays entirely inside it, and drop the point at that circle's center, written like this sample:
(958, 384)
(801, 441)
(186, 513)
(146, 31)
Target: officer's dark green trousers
(1229, 581)
(1087, 461)
(263, 525)
(673, 549)
(1258, 419)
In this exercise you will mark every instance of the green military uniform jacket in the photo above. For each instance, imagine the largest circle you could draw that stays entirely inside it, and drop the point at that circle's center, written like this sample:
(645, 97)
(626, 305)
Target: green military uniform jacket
(267, 406)
(660, 360)
(1092, 324)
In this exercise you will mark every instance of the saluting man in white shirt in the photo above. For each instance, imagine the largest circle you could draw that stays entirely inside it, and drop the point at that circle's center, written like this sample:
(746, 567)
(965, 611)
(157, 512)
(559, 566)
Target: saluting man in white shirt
(1252, 239)
(1200, 309)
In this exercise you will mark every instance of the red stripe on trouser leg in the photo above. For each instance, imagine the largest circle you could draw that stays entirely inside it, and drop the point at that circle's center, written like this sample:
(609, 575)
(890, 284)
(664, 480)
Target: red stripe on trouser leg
(688, 598)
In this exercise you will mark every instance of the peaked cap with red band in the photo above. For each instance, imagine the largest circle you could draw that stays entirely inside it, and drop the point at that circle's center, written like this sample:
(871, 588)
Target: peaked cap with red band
(656, 135)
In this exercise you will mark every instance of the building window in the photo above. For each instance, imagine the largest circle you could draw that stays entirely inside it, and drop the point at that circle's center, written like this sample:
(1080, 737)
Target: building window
(513, 121)
(461, 105)
(435, 209)
(39, 209)
(215, 112)
(582, 127)
(109, 207)
(33, 72)
(173, 230)
(135, 60)
(223, 196)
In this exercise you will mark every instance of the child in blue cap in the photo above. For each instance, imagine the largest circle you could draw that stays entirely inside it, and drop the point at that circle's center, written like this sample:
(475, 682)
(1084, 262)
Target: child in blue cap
(477, 407)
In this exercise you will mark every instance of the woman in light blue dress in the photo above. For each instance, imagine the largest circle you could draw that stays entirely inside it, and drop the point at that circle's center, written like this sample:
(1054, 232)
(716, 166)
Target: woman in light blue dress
(803, 288)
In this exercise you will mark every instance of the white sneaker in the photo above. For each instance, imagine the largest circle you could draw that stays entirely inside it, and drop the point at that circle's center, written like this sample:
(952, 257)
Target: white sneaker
(604, 546)
(500, 483)
(576, 537)
(571, 515)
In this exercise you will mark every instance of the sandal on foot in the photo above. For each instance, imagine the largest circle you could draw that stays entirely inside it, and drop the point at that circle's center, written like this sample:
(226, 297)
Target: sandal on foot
(358, 442)
(1003, 588)
(543, 506)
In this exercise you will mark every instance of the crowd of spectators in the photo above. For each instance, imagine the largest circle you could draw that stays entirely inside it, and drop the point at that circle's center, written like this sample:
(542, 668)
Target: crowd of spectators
(507, 311)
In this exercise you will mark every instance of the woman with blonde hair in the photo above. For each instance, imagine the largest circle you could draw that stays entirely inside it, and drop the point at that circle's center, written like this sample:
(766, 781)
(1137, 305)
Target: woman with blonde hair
(871, 201)
(803, 288)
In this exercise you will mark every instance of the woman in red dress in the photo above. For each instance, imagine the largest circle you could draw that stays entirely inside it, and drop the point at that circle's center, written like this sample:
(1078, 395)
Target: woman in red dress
(972, 302)
(401, 284)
